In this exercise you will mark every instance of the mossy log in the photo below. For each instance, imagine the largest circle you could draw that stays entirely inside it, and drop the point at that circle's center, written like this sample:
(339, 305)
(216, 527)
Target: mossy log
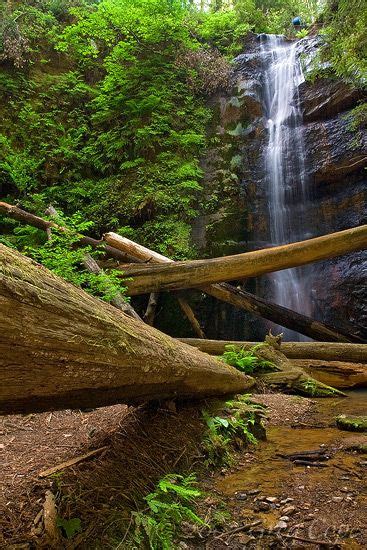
(339, 374)
(62, 348)
(323, 351)
(195, 273)
(352, 423)
(287, 376)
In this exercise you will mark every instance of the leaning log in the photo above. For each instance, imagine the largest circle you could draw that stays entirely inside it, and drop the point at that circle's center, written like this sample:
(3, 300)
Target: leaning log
(195, 273)
(62, 348)
(238, 298)
(45, 225)
(324, 351)
(339, 374)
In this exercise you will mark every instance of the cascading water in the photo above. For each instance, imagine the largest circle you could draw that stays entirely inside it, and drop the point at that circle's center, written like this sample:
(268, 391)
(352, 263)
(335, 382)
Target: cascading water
(285, 166)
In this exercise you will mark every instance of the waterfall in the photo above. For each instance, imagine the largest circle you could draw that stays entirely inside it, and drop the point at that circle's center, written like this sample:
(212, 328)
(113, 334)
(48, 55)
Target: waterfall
(285, 170)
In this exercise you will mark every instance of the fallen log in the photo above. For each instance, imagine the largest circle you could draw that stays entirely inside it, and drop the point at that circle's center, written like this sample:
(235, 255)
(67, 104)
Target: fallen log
(339, 374)
(195, 273)
(62, 348)
(239, 298)
(286, 377)
(35, 221)
(323, 351)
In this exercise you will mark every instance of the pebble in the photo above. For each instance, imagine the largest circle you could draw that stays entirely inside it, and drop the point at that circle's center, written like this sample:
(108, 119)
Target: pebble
(289, 510)
(263, 506)
(363, 463)
(281, 525)
(344, 490)
(272, 500)
(337, 499)
(286, 500)
(284, 518)
(254, 491)
(241, 496)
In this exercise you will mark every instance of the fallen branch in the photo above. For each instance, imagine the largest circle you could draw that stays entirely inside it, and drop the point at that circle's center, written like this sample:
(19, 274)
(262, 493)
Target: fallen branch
(323, 351)
(179, 275)
(71, 462)
(236, 297)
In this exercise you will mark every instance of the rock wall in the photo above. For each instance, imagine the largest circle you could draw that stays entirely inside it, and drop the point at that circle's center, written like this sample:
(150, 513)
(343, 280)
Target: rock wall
(237, 219)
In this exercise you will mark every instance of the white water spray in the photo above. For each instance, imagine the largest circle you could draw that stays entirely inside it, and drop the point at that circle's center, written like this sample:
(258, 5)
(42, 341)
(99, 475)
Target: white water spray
(285, 166)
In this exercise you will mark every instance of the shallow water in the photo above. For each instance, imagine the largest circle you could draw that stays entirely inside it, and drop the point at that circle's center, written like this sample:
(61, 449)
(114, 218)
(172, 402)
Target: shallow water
(270, 472)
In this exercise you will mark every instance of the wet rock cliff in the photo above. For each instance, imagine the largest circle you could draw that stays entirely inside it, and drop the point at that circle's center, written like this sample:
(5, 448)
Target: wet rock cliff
(236, 219)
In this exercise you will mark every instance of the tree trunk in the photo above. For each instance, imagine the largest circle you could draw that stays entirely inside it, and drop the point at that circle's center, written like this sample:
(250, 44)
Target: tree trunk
(243, 300)
(151, 308)
(178, 275)
(279, 314)
(35, 221)
(339, 374)
(323, 351)
(118, 301)
(62, 348)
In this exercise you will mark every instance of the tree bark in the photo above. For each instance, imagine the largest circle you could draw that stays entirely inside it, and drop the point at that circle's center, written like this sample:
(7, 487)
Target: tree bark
(35, 221)
(151, 308)
(339, 374)
(244, 300)
(118, 301)
(323, 351)
(178, 275)
(62, 348)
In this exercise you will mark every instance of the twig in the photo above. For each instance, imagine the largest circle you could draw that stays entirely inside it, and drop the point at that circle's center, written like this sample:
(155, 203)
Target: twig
(238, 529)
(312, 541)
(71, 462)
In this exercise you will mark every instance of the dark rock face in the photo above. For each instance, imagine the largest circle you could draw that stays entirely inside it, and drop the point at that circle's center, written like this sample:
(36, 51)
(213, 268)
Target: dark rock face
(326, 98)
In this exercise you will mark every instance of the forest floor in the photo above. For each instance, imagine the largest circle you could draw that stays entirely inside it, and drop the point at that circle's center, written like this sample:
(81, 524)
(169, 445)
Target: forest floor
(272, 502)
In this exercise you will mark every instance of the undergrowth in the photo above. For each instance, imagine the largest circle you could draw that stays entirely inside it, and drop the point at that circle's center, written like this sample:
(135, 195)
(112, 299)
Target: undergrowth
(246, 360)
(171, 503)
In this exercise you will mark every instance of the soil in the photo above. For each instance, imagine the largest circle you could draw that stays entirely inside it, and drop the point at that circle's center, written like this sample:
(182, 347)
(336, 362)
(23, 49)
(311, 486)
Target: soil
(324, 505)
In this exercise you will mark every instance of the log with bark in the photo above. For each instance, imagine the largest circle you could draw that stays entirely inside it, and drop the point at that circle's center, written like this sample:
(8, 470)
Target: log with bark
(323, 351)
(195, 273)
(339, 374)
(62, 348)
(35, 221)
(239, 298)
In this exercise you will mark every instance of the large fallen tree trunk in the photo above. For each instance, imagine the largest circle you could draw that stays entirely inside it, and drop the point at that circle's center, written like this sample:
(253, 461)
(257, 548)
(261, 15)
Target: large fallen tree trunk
(324, 351)
(238, 298)
(61, 348)
(339, 374)
(178, 275)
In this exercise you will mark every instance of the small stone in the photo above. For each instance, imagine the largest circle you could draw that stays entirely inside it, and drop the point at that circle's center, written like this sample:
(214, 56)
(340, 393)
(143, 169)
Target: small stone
(254, 491)
(286, 500)
(281, 525)
(344, 490)
(363, 463)
(241, 496)
(263, 506)
(310, 516)
(284, 518)
(289, 510)
(301, 487)
(272, 500)
(337, 499)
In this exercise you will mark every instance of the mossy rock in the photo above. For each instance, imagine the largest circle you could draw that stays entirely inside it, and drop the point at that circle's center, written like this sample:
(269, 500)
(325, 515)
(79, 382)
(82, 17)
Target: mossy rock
(352, 423)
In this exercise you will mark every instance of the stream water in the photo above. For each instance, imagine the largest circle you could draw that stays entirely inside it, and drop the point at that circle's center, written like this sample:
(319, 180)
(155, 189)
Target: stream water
(272, 475)
(285, 167)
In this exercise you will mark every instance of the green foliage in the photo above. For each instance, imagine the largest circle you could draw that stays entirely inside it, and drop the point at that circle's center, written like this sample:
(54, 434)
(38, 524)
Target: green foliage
(69, 526)
(60, 255)
(246, 360)
(230, 430)
(169, 505)
(346, 38)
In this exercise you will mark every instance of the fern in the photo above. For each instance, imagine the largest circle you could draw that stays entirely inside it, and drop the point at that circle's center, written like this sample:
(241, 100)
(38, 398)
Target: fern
(246, 360)
(168, 506)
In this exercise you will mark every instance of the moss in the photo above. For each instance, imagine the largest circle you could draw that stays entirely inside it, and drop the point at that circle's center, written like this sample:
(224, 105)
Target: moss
(352, 423)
